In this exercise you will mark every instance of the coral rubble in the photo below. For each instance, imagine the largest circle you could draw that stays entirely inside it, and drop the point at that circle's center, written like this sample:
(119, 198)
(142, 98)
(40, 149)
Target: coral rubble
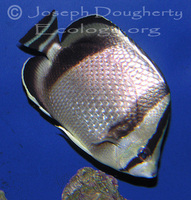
(90, 184)
(2, 195)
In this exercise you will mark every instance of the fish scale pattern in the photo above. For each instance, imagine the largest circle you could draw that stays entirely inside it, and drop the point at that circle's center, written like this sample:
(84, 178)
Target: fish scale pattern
(100, 91)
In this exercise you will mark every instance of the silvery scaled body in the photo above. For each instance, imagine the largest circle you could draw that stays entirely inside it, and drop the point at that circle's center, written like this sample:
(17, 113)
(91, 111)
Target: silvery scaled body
(107, 95)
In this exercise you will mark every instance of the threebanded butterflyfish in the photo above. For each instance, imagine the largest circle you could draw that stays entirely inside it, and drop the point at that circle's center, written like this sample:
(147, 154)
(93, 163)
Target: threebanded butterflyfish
(109, 98)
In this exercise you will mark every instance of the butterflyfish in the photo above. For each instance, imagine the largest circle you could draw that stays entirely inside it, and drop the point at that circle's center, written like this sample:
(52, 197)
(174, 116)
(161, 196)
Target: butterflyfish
(108, 97)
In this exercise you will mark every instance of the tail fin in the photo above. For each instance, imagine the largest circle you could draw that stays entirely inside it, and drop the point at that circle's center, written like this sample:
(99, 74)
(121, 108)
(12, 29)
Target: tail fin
(41, 36)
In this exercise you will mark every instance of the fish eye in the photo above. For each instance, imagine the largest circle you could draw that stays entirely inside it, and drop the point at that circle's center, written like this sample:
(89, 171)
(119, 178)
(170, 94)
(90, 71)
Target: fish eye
(144, 153)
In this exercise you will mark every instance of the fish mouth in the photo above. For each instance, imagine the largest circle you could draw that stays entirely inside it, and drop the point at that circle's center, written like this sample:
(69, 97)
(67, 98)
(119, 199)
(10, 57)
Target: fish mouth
(154, 174)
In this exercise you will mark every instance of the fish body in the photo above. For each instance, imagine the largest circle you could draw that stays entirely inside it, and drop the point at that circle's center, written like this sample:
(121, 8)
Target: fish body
(109, 98)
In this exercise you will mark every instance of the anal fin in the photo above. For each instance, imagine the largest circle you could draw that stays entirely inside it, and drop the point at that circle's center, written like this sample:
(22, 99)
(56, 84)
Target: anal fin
(34, 72)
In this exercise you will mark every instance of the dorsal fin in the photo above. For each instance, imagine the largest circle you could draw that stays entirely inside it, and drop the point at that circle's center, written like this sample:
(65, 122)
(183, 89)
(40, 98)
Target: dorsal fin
(43, 35)
(89, 28)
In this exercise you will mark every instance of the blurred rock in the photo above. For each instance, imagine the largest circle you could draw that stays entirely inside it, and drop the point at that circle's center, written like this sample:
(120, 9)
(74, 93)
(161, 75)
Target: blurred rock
(90, 184)
(2, 195)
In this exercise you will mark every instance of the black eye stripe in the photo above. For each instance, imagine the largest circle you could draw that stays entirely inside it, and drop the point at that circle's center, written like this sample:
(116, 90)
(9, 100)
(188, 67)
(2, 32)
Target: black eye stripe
(152, 143)
(132, 163)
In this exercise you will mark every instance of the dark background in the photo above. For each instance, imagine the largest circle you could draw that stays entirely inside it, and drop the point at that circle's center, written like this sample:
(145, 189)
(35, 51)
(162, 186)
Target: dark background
(35, 161)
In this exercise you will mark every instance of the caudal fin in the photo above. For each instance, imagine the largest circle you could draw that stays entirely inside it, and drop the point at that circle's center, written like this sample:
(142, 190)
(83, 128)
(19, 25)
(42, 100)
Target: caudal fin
(41, 36)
